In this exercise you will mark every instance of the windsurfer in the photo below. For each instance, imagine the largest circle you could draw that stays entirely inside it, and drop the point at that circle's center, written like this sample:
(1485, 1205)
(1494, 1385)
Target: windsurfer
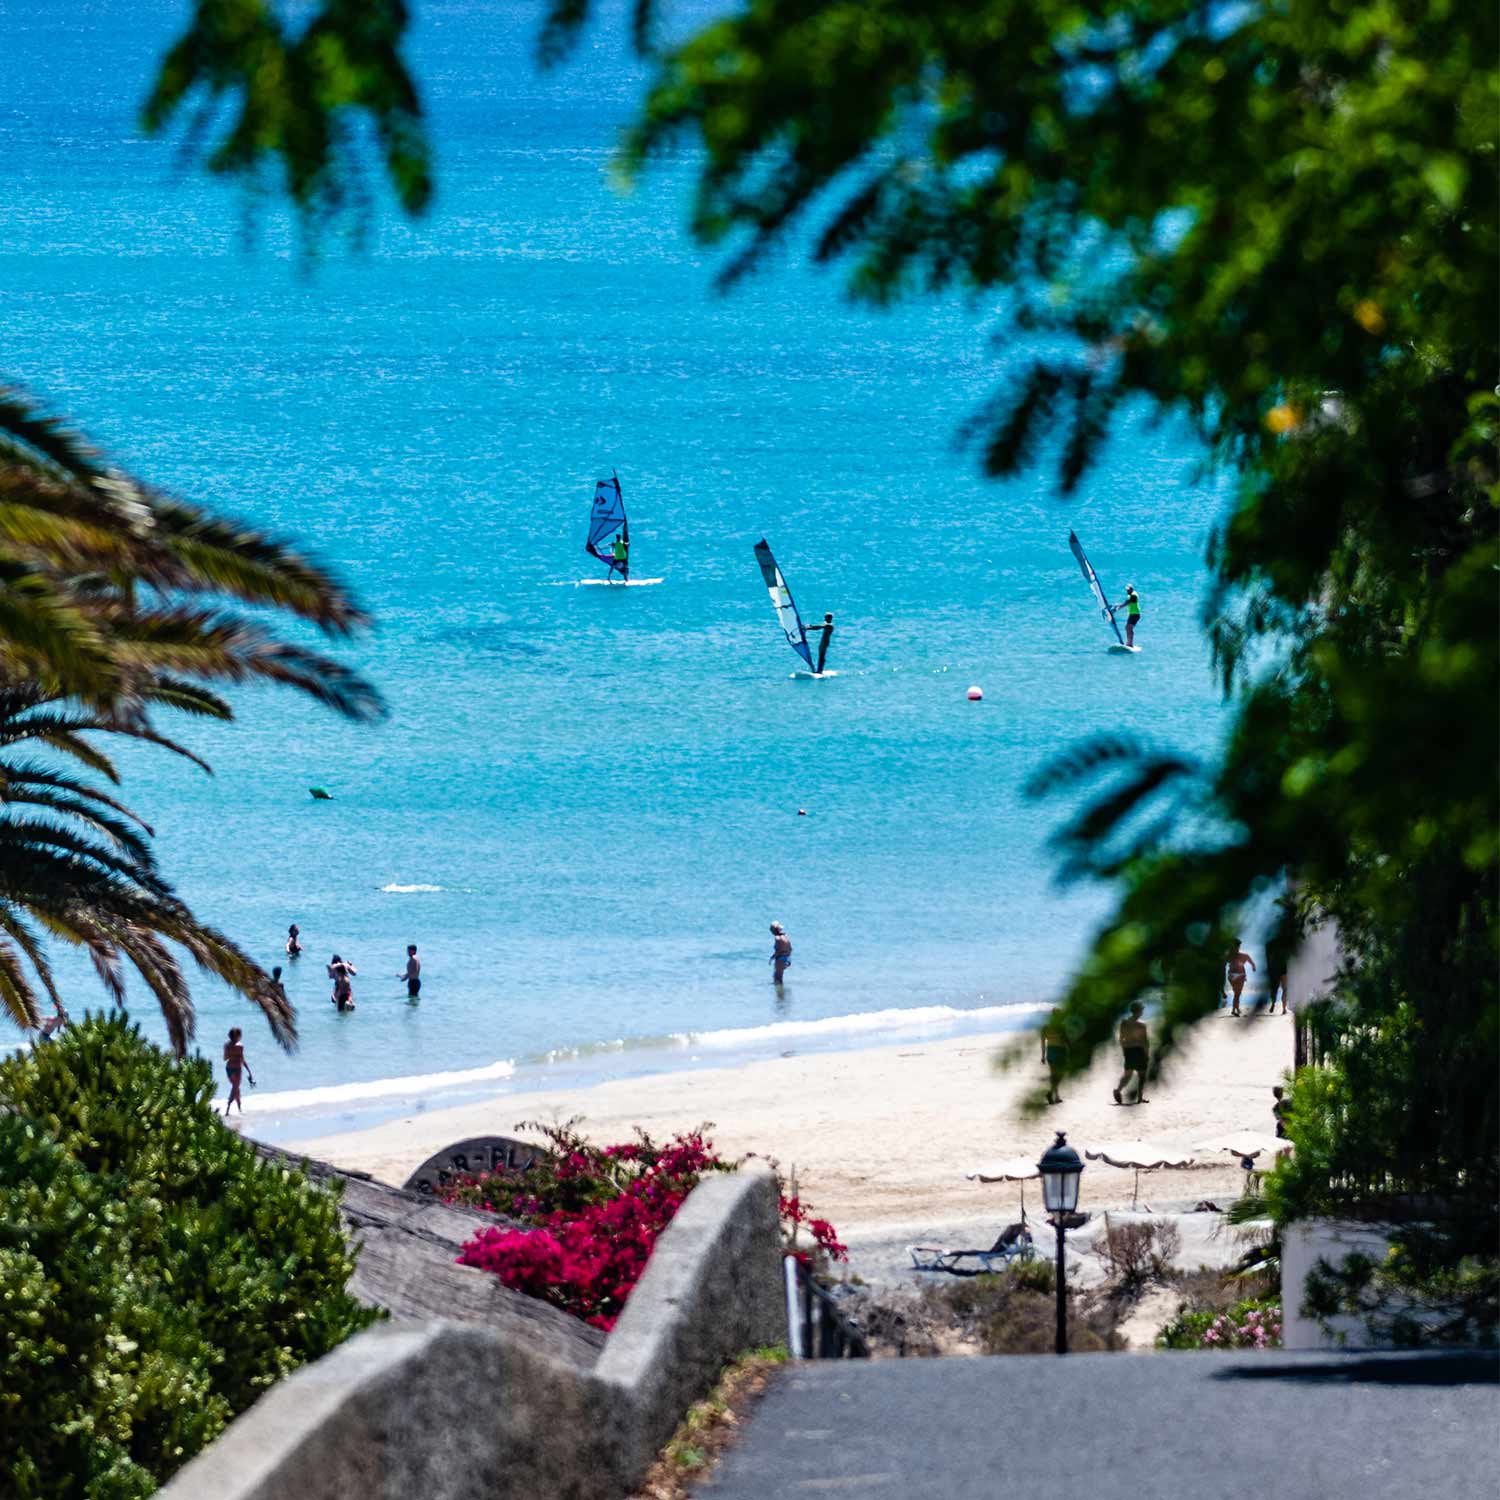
(827, 631)
(621, 551)
(1131, 604)
(781, 952)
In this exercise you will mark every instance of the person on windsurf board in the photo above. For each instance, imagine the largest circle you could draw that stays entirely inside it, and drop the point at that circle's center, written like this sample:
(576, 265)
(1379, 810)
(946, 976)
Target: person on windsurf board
(609, 530)
(1131, 604)
(789, 619)
(827, 629)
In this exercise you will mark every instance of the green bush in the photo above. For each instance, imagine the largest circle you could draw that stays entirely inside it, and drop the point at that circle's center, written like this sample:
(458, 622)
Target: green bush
(156, 1275)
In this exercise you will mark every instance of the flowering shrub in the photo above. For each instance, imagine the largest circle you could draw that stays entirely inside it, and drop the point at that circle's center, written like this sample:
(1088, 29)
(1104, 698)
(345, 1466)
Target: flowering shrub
(1252, 1324)
(594, 1213)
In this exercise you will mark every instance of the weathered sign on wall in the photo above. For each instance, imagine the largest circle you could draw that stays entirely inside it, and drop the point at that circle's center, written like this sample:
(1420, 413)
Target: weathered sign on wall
(479, 1153)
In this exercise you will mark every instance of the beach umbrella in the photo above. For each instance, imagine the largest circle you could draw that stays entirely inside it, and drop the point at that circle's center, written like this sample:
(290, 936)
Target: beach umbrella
(1247, 1144)
(1013, 1169)
(1141, 1156)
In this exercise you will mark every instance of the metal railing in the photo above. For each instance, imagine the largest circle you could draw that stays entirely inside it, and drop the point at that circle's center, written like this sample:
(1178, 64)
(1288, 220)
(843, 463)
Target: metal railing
(815, 1328)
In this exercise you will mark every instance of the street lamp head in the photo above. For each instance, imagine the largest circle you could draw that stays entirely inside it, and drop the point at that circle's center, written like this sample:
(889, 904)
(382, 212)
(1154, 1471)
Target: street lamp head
(1060, 1169)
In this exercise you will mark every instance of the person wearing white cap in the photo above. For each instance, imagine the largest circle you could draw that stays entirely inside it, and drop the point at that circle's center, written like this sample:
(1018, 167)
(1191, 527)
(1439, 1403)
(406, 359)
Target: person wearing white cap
(781, 952)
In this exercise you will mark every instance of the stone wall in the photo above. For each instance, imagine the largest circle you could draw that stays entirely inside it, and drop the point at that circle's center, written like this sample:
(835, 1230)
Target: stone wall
(448, 1411)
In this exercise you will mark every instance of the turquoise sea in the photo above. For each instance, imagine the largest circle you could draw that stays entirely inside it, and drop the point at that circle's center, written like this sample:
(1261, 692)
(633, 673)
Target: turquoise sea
(585, 806)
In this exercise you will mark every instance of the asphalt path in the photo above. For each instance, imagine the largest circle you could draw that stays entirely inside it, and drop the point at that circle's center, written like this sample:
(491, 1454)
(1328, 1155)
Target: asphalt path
(1179, 1426)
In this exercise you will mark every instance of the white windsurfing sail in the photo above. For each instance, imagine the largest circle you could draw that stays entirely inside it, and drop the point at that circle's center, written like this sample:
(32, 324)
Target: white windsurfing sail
(782, 603)
(606, 521)
(1098, 588)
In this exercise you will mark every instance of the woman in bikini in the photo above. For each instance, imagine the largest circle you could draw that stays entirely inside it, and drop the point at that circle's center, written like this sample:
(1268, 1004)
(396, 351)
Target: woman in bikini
(1235, 968)
(234, 1065)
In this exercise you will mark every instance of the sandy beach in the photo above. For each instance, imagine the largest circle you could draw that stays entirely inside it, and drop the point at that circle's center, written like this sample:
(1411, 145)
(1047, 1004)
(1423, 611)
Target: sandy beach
(881, 1139)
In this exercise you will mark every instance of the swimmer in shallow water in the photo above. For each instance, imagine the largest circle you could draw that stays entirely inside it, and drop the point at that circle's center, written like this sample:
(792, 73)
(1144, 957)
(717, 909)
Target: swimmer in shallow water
(340, 971)
(412, 974)
(781, 952)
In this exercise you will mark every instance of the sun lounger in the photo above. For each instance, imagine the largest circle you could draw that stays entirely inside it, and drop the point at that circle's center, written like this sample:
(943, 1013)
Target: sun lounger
(1013, 1246)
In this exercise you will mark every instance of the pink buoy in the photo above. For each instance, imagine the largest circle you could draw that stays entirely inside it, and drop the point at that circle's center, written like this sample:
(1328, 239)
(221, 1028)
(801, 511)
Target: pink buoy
(976, 695)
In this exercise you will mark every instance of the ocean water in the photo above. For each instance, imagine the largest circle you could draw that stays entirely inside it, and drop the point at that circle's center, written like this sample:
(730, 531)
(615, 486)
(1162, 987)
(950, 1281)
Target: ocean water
(586, 804)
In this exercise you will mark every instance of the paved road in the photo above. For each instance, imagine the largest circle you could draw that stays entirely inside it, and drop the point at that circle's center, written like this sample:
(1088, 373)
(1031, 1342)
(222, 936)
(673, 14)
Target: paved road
(1155, 1426)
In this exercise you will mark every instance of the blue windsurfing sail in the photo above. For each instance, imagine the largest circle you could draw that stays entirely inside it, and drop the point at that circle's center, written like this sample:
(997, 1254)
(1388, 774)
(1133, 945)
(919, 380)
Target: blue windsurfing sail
(1098, 588)
(606, 521)
(782, 603)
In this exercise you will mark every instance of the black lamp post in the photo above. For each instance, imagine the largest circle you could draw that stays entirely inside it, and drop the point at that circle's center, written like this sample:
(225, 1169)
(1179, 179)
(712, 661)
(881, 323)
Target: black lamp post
(1060, 1169)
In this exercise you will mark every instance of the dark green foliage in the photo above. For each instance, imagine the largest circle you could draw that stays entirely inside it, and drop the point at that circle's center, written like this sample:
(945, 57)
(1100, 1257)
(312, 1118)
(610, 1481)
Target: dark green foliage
(155, 1274)
(1283, 224)
(299, 96)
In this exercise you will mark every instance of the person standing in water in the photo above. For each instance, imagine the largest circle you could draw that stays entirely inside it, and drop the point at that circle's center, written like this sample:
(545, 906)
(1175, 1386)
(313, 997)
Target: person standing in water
(621, 551)
(340, 971)
(293, 942)
(412, 974)
(1131, 604)
(827, 631)
(781, 952)
(234, 1065)
(1235, 972)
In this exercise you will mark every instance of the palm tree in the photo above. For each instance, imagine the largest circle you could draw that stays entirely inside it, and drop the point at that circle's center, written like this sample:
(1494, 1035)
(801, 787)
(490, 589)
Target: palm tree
(116, 602)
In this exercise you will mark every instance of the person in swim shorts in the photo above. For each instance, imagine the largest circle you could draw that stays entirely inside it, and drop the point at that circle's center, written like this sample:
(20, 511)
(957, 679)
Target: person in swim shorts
(1135, 1042)
(781, 952)
(1131, 604)
(234, 1066)
(412, 973)
(1054, 1054)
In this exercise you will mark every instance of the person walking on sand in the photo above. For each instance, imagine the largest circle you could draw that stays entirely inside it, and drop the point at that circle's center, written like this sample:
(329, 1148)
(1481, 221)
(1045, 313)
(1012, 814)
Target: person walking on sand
(412, 974)
(1131, 604)
(1135, 1042)
(1235, 970)
(1054, 1054)
(293, 942)
(340, 971)
(781, 952)
(234, 1065)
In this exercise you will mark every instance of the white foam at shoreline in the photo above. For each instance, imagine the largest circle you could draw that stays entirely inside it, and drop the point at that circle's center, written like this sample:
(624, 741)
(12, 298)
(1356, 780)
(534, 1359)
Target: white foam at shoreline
(411, 1087)
(869, 1026)
(915, 1018)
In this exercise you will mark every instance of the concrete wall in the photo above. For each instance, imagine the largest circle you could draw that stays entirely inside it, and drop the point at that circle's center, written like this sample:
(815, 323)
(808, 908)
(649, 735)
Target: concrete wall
(1304, 1244)
(447, 1411)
